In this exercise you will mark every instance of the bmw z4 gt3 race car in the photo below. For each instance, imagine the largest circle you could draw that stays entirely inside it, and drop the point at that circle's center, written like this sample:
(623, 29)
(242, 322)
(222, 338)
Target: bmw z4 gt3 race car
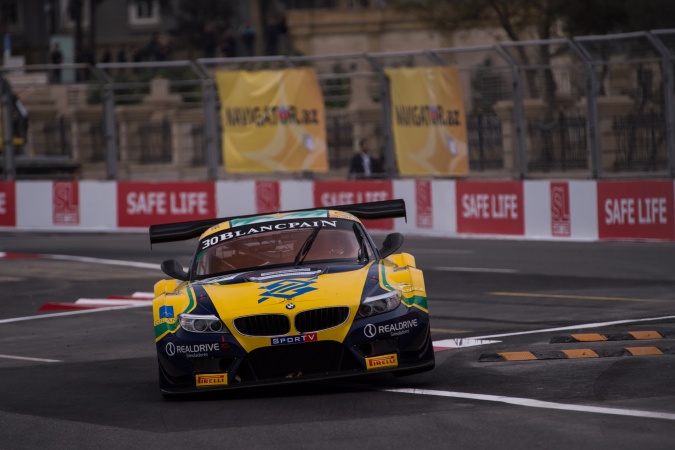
(287, 297)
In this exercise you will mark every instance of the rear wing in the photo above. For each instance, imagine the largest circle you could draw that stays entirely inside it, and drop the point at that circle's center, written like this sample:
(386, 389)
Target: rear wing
(181, 231)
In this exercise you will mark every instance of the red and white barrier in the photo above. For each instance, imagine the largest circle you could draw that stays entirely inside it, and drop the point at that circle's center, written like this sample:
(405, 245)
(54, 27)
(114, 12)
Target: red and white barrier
(537, 209)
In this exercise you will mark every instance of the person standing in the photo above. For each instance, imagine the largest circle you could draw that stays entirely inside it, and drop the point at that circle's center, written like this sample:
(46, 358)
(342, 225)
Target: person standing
(361, 164)
(56, 57)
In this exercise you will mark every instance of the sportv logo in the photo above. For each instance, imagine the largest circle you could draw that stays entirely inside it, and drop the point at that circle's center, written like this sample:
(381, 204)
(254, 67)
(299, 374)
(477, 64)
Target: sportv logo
(211, 379)
(425, 115)
(309, 337)
(378, 362)
(259, 116)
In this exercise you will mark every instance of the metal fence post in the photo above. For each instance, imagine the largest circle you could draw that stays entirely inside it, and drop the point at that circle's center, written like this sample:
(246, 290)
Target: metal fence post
(110, 130)
(592, 109)
(8, 130)
(518, 110)
(210, 129)
(385, 90)
(667, 64)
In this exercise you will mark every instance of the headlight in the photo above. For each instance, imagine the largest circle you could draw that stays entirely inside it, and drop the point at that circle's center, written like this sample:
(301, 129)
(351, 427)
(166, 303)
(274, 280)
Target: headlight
(379, 304)
(201, 324)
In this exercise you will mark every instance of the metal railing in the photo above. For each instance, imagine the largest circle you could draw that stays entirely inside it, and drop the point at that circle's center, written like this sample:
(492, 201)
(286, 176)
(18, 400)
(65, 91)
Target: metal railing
(590, 106)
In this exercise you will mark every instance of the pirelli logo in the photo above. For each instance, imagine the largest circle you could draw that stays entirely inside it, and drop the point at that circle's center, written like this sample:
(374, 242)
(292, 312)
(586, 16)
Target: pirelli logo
(211, 379)
(378, 362)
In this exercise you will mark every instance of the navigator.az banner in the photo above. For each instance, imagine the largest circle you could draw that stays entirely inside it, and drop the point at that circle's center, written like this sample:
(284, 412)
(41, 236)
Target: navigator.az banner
(273, 121)
(429, 123)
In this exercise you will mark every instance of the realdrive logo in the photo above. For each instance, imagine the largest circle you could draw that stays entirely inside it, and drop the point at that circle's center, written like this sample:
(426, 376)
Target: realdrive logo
(425, 115)
(211, 379)
(378, 362)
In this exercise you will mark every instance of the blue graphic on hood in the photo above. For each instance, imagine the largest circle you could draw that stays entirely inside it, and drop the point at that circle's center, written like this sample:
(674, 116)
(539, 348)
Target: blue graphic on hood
(287, 289)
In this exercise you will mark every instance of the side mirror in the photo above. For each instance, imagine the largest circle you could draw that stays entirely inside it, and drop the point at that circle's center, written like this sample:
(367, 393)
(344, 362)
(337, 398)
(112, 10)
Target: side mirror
(391, 243)
(174, 269)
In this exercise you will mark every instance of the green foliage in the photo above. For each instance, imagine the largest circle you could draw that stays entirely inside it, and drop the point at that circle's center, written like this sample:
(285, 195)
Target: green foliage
(337, 91)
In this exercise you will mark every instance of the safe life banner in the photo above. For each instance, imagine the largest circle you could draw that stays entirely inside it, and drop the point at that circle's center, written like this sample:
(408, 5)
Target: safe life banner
(273, 121)
(429, 122)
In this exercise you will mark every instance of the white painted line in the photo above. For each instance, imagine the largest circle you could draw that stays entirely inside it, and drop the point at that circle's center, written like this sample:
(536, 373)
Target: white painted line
(473, 269)
(449, 342)
(111, 262)
(148, 295)
(110, 302)
(69, 313)
(532, 403)
(574, 327)
(25, 358)
(463, 343)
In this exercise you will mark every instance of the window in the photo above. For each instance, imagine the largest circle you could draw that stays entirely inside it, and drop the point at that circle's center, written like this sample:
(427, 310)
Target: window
(9, 13)
(68, 16)
(144, 12)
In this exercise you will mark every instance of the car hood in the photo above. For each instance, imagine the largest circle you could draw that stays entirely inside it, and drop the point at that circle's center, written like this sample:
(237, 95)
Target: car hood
(271, 292)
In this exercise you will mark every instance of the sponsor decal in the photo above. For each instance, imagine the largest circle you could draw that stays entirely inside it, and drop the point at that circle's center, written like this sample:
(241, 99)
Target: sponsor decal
(308, 337)
(267, 197)
(636, 210)
(335, 193)
(378, 362)
(425, 218)
(211, 379)
(141, 204)
(287, 289)
(392, 329)
(168, 321)
(7, 204)
(561, 225)
(193, 350)
(166, 312)
(260, 116)
(490, 207)
(245, 231)
(425, 115)
(65, 203)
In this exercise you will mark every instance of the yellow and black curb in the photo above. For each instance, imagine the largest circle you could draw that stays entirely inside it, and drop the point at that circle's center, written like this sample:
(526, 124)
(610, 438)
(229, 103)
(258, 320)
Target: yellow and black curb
(576, 353)
(596, 337)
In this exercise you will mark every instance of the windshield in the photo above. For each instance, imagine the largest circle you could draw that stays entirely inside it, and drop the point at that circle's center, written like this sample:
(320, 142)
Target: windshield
(242, 250)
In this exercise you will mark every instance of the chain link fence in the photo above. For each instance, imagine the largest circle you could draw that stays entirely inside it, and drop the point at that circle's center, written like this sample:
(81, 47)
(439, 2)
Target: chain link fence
(588, 107)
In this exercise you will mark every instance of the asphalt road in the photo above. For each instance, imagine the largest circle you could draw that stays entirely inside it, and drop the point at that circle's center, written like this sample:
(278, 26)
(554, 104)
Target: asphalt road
(100, 388)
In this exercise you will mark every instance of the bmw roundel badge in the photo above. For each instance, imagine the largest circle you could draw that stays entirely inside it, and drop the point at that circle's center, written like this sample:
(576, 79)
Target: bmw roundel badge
(290, 306)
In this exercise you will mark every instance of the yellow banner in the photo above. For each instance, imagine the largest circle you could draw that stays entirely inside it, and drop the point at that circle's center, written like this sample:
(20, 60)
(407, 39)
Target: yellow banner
(273, 121)
(428, 120)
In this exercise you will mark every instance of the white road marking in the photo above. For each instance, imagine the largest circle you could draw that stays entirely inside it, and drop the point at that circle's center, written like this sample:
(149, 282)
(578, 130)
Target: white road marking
(69, 313)
(25, 358)
(463, 342)
(532, 403)
(111, 262)
(472, 269)
(449, 342)
(575, 327)
(110, 302)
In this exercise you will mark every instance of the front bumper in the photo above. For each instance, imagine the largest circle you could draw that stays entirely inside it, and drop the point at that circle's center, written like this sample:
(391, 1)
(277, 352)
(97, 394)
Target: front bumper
(394, 342)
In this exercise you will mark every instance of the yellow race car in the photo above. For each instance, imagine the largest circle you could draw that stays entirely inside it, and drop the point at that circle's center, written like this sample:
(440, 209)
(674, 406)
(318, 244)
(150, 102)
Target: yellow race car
(288, 297)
